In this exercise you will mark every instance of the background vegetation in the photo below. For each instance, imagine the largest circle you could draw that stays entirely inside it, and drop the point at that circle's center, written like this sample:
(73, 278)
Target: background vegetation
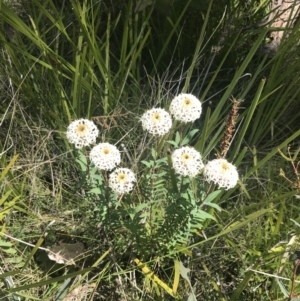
(109, 61)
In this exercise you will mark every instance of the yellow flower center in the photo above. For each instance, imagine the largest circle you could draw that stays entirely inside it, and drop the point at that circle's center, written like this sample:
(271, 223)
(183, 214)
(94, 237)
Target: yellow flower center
(122, 178)
(187, 103)
(156, 118)
(106, 151)
(185, 157)
(82, 130)
(225, 166)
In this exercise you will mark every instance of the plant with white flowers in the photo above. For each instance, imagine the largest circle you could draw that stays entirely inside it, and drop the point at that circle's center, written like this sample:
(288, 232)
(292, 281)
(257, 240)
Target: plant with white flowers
(187, 161)
(156, 121)
(222, 173)
(122, 180)
(82, 132)
(169, 199)
(105, 156)
(186, 107)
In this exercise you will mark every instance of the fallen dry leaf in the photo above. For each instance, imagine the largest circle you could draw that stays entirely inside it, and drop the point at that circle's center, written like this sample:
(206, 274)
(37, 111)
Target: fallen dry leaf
(65, 253)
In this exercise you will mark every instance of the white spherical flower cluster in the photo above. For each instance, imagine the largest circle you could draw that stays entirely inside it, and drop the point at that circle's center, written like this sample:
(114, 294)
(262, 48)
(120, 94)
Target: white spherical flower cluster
(186, 107)
(82, 132)
(156, 121)
(122, 180)
(222, 173)
(105, 156)
(187, 161)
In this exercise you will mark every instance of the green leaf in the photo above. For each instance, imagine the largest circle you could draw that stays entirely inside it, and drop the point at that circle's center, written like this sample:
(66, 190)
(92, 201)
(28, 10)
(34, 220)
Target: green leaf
(10, 251)
(189, 137)
(216, 206)
(4, 197)
(149, 164)
(172, 142)
(8, 167)
(97, 178)
(204, 215)
(140, 207)
(96, 191)
(82, 161)
(282, 288)
(5, 243)
(177, 139)
(213, 195)
(297, 224)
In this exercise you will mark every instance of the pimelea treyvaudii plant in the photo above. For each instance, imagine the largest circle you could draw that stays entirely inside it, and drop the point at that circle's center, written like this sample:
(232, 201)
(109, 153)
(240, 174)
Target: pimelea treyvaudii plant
(166, 201)
(104, 185)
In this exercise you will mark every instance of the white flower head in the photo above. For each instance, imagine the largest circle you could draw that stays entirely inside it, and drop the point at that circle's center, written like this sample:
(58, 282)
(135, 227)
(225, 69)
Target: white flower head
(82, 132)
(105, 156)
(187, 161)
(186, 107)
(222, 173)
(156, 121)
(122, 180)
